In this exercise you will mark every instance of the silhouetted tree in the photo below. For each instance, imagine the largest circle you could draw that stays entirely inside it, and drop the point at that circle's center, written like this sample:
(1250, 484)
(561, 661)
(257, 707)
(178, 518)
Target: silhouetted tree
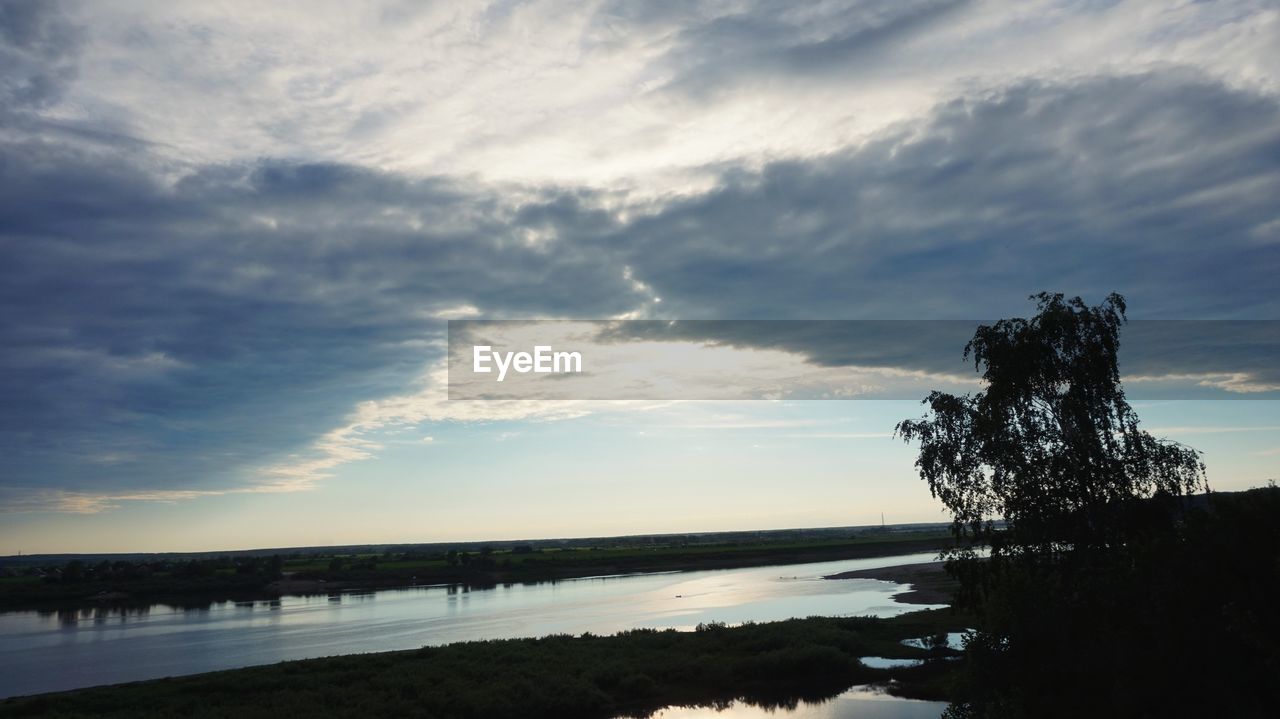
(1081, 512)
(1051, 446)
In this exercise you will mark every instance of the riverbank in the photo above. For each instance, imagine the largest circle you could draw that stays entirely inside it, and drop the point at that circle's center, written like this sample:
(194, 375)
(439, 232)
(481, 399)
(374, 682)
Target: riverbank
(632, 673)
(326, 574)
(930, 583)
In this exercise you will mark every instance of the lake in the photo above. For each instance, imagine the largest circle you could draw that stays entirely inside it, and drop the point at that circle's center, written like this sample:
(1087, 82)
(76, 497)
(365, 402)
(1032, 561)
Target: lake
(42, 651)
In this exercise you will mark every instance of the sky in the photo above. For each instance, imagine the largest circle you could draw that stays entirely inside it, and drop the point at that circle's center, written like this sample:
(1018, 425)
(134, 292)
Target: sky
(232, 235)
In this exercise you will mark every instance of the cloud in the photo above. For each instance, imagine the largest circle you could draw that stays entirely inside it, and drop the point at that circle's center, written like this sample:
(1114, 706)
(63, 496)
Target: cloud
(355, 440)
(601, 94)
(837, 359)
(209, 323)
(668, 360)
(1156, 185)
(768, 43)
(1243, 383)
(226, 239)
(21, 500)
(39, 50)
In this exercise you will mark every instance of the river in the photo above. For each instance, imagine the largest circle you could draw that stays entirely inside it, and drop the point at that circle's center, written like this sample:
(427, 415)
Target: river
(860, 702)
(43, 651)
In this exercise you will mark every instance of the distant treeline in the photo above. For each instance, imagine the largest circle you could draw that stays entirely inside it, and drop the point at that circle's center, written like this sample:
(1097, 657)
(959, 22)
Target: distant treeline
(194, 581)
(434, 548)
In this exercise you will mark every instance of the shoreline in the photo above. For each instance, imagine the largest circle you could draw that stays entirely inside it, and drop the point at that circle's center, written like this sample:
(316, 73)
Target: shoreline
(112, 595)
(928, 582)
(630, 673)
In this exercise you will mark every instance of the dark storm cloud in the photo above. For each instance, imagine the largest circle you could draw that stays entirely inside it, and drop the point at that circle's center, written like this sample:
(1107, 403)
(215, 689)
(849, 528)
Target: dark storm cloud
(1160, 186)
(160, 334)
(166, 334)
(38, 50)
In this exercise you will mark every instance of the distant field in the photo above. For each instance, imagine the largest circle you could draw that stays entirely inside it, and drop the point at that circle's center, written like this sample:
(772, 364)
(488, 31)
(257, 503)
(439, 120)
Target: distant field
(246, 576)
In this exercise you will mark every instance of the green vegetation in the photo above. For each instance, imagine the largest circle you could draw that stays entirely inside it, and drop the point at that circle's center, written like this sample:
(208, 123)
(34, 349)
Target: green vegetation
(195, 581)
(1112, 588)
(560, 676)
(77, 583)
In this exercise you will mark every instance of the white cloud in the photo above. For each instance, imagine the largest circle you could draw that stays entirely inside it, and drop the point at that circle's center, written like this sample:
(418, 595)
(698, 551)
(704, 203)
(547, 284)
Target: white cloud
(1233, 382)
(585, 93)
(26, 499)
(669, 369)
(352, 441)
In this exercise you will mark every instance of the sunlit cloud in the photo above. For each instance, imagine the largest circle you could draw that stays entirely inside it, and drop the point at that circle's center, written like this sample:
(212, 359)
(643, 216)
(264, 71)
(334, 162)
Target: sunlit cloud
(355, 442)
(1233, 382)
(37, 500)
(599, 93)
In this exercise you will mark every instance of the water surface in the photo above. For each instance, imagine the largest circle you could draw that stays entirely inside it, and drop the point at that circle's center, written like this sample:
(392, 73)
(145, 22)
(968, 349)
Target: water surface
(41, 652)
(861, 702)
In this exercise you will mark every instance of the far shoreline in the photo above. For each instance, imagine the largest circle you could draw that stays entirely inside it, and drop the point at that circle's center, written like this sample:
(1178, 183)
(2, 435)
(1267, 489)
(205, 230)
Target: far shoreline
(928, 581)
(18, 595)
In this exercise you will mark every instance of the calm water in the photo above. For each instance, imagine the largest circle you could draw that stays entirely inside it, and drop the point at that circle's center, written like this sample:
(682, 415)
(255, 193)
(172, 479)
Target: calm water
(55, 651)
(856, 703)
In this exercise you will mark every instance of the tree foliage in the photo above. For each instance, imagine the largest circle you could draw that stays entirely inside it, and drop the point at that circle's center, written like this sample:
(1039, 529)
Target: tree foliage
(1050, 446)
(1107, 590)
